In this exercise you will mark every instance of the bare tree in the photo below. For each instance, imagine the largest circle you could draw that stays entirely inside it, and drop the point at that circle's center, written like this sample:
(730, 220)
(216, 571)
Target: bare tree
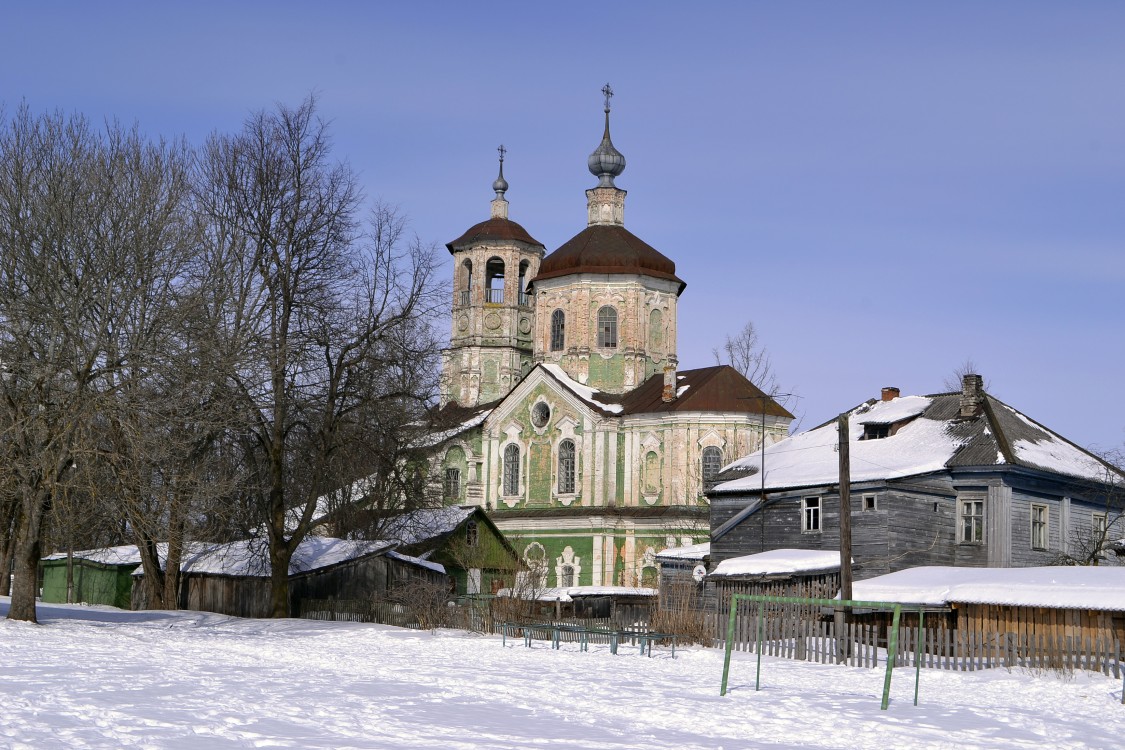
(745, 353)
(1091, 543)
(322, 317)
(952, 382)
(83, 216)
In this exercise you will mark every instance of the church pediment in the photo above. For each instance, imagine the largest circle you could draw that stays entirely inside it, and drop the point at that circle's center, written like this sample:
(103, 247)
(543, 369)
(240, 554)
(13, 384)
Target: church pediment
(522, 407)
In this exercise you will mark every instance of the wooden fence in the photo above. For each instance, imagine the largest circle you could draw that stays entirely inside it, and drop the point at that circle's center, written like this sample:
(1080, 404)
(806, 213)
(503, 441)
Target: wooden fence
(864, 645)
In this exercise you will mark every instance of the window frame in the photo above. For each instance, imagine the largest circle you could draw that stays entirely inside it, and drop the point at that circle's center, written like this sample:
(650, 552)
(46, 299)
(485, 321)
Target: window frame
(567, 467)
(812, 511)
(452, 483)
(511, 472)
(607, 327)
(1040, 531)
(978, 530)
(558, 330)
(717, 453)
(874, 502)
(472, 533)
(566, 573)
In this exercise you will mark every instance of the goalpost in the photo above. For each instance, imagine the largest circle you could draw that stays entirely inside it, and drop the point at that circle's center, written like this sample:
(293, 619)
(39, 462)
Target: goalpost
(892, 635)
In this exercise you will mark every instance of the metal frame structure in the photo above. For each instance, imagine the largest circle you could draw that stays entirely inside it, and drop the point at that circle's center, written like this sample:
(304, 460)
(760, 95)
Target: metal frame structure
(892, 635)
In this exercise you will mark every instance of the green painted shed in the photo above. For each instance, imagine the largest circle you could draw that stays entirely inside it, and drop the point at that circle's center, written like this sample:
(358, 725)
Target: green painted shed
(101, 576)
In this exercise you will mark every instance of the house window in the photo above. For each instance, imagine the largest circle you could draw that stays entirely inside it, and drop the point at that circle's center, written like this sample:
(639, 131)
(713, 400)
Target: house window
(712, 463)
(566, 576)
(972, 521)
(471, 534)
(870, 503)
(1039, 527)
(452, 484)
(558, 330)
(810, 514)
(566, 467)
(1100, 527)
(876, 431)
(512, 469)
(607, 327)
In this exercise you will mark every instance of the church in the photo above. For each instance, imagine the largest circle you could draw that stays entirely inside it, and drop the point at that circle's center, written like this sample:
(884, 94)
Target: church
(567, 417)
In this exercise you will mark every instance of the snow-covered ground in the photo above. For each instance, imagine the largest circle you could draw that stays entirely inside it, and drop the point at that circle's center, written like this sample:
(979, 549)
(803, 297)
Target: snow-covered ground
(99, 677)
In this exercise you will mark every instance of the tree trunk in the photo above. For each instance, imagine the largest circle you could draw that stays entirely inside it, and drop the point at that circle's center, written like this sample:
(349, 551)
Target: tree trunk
(7, 545)
(279, 580)
(26, 568)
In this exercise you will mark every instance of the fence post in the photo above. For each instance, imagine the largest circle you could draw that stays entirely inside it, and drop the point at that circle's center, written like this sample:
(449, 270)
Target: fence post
(918, 656)
(730, 641)
(761, 623)
(892, 654)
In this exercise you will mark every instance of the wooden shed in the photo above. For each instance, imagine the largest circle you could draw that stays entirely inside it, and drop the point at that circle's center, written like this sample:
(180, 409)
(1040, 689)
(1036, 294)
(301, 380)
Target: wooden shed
(1075, 602)
(234, 579)
(682, 573)
(99, 576)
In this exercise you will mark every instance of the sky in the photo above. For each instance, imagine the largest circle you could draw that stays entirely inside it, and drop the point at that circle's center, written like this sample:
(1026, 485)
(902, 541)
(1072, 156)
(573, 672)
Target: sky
(886, 190)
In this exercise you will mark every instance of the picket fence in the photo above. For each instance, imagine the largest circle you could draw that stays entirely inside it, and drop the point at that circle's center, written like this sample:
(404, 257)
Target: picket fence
(865, 645)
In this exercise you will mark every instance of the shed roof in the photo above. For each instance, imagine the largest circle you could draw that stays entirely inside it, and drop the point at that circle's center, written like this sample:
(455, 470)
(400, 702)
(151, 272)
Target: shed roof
(1065, 587)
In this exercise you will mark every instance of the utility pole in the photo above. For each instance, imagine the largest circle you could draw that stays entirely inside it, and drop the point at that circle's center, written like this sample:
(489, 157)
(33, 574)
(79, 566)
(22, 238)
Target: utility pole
(845, 532)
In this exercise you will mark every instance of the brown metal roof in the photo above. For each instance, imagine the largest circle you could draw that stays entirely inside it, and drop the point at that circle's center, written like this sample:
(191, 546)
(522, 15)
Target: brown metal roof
(607, 249)
(491, 230)
(720, 388)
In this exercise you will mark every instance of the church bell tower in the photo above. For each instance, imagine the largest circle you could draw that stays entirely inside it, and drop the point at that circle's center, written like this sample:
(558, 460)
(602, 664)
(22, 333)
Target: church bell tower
(493, 316)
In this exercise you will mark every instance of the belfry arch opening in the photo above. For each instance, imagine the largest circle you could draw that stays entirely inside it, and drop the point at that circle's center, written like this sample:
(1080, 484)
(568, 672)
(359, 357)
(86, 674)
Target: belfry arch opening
(494, 281)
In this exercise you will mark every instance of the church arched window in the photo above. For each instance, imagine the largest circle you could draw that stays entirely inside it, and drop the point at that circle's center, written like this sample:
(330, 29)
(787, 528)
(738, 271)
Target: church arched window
(494, 280)
(652, 473)
(523, 299)
(566, 467)
(566, 576)
(512, 469)
(558, 330)
(607, 327)
(466, 281)
(712, 463)
(656, 331)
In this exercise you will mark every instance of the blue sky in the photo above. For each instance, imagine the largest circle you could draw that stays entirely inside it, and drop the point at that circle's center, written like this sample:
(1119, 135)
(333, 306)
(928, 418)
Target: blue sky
(885, 189)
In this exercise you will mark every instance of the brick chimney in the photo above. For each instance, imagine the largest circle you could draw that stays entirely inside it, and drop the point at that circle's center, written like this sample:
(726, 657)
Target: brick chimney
(669, 393)
(890, 393)
(972, 395)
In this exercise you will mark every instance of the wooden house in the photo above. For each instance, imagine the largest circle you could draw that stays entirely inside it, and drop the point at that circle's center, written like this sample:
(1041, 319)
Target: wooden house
(98, 576)
(954, 479)
(463, 540)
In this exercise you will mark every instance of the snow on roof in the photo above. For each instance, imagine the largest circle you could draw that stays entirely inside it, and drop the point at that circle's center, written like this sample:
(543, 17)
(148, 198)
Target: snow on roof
(437, 438)
(568, 594)
(584, 392)
(1052, 452)
(690, 552)
(417, 561)
(1099, 587)
(895, 410)
(250, 558)
(779, 562)
(810, 458)
(127, 554)
(426, 523)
